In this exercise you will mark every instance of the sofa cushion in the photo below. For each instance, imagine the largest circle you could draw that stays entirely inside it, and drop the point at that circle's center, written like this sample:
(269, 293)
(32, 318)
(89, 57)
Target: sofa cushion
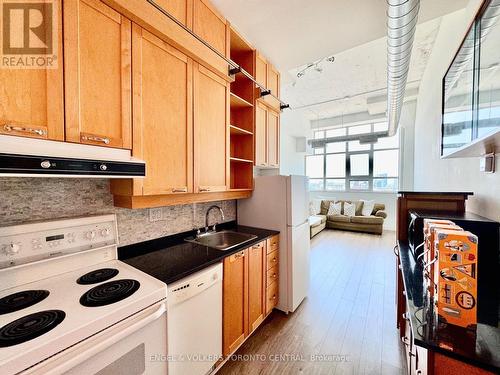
(378, 207)
(322, 217)
(314, 221)
(325, 205)
(367, 220)
(340, 218)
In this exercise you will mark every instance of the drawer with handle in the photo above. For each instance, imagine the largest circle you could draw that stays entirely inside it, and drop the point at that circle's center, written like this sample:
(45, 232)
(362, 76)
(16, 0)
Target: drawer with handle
(272, 275)
(258, 246)
(272, 259)
(273, 244)
(272, 296)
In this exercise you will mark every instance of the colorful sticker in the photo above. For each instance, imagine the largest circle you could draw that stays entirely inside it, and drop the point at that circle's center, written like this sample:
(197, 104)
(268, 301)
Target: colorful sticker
(465, 300)
(468, 269)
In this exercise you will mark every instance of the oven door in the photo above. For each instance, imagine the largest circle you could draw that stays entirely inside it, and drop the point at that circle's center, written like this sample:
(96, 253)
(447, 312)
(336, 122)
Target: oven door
(134, 346)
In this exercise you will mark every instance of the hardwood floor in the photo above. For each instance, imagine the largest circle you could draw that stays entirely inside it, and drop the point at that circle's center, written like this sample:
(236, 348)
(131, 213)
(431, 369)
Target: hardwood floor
(347, 323)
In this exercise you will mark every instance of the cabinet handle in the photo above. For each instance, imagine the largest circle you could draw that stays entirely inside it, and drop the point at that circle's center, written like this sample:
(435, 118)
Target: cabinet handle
(274, 297)
(24, 129)
(180, 190)
(95, 138)
(273, 275)
(274, 260)
(204, 189)
(239, 255)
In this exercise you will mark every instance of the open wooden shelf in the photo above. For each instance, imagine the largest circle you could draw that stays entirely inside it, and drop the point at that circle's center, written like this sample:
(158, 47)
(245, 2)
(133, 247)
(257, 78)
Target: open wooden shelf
(242, 100)
(241, 176)
(235, 130)
(238, 102)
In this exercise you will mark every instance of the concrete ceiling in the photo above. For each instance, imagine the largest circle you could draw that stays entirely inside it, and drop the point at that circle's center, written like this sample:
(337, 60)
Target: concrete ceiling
(356, 81)
(292, 33)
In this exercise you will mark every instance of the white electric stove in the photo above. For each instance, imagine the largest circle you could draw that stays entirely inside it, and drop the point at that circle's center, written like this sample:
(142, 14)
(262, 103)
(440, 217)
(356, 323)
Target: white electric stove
(68, 306)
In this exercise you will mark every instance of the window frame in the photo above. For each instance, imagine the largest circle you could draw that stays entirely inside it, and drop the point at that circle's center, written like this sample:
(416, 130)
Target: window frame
(348, 177)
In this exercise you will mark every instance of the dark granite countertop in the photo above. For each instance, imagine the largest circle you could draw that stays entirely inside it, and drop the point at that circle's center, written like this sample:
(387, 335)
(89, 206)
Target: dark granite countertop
(172, 258)
(480, 348)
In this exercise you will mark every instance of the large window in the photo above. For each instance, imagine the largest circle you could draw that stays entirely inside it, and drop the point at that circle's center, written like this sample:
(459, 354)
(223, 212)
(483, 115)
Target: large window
(353, 166)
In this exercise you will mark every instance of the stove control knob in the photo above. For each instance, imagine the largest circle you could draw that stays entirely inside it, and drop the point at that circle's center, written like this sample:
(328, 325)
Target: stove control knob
(13, 248)
(90, 235)
(45, 164)
(105, 232)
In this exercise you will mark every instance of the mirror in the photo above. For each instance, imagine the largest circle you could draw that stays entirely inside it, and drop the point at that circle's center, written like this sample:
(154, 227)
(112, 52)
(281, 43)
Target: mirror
(458, 86)
(488, 116)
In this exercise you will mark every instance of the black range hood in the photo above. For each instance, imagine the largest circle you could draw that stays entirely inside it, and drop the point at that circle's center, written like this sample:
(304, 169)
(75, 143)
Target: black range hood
(27, 157)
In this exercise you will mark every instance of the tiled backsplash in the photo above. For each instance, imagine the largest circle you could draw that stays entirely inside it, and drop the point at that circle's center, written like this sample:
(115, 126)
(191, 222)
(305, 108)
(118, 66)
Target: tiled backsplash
(29, 199)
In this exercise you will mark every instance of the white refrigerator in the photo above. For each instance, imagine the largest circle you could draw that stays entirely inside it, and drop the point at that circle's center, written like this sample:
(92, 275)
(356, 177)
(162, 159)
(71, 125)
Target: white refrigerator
(282, 203)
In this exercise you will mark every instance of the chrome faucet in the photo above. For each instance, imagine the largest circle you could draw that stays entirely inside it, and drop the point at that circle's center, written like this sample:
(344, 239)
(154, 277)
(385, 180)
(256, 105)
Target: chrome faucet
(206, 217)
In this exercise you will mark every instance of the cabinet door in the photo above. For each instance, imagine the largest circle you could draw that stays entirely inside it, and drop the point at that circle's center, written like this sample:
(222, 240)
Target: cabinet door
(273, 135)
(31, 103)
(235, 296)
(210, 26)
(162, 87)
(260, 70)
(97, 62)
(256, 285)
(273, 84)
(260, 135)
(211, 137)
(182, 10)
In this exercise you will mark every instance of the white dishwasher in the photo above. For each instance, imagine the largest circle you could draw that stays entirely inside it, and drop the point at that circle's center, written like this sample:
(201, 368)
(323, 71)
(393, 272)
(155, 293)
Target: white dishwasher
(194, 322)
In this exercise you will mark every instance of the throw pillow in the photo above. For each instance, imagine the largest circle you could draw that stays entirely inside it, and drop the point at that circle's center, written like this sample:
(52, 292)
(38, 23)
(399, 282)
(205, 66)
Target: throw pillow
(335, 209)
(367, 208)
(349, 209)
(316, 203)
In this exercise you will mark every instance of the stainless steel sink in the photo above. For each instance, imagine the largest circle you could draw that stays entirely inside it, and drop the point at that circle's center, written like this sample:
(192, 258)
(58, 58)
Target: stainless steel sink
(223, 240)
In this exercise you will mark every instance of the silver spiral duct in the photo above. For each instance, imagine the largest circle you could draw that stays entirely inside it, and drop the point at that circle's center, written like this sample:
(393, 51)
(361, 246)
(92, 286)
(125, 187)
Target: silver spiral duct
(402, 18)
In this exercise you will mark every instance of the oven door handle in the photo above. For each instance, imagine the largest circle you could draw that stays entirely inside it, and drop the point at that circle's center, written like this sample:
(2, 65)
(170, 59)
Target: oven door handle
(99, 346)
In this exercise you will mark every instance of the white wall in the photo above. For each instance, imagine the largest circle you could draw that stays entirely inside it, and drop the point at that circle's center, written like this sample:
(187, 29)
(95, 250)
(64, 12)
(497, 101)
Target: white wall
(431, 172)
(389, 199)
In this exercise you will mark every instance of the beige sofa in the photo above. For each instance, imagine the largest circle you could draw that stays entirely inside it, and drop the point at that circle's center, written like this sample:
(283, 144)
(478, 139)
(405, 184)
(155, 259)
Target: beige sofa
(358, 223)
(316, 224)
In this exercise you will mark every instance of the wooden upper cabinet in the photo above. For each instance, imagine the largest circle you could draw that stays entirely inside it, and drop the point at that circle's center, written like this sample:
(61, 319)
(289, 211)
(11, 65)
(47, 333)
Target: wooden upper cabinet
(235, 297)
(210, 26)
(162, 102)
(273, 84)
(260, 135)
(260, 69)
(211, 136)
(182, 10)
(273, 135)
(97, 72)
(31, 103)
(256, 285)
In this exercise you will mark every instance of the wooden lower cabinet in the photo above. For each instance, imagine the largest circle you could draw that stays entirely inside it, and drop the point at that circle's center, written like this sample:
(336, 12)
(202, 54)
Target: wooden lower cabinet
(272, 273)
(256, 285)
(250, 293)
(235, 301)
